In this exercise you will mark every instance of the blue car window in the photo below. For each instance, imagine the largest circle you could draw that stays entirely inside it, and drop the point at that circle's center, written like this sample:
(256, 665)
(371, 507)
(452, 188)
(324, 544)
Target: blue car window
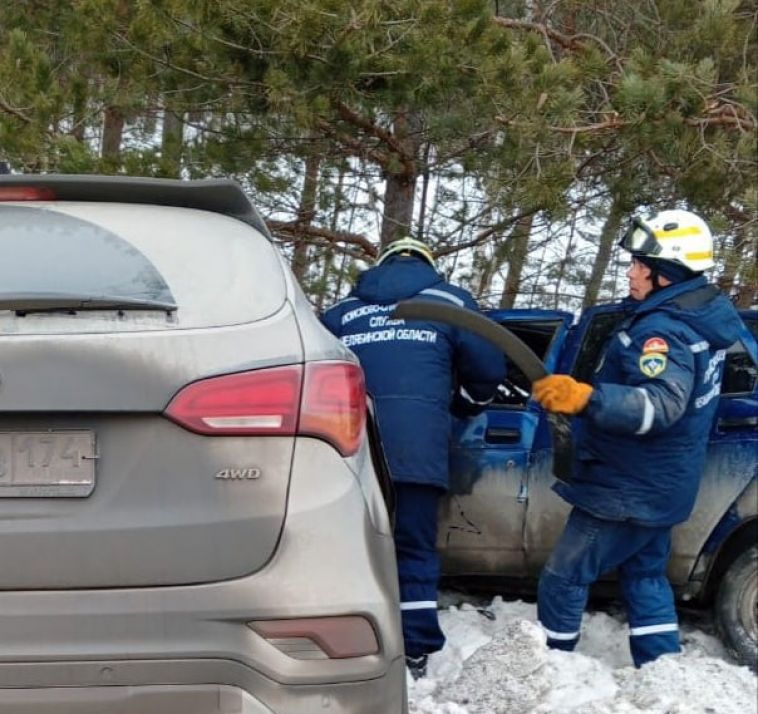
(740, 372)
(593, 344)
(515, 390)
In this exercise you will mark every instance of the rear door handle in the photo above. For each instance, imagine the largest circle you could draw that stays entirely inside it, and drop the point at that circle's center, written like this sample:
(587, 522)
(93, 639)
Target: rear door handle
(502, 435)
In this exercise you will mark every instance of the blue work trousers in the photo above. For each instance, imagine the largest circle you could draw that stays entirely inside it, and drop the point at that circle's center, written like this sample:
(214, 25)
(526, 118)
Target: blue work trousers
(418, 566)
(590, 547)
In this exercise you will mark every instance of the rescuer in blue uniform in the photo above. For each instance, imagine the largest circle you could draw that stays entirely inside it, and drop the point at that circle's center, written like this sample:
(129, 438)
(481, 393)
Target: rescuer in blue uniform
(417, 373)
(641, 437)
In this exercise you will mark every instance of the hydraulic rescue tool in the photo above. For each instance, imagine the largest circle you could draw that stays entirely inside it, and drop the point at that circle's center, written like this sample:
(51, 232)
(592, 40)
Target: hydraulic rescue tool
(514, 348)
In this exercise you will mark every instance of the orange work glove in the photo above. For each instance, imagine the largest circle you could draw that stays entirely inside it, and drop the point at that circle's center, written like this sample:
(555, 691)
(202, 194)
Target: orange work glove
(561, 393)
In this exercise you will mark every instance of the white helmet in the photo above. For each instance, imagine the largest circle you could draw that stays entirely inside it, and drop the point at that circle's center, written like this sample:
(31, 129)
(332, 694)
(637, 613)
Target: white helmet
(677, 236)
(406, 245)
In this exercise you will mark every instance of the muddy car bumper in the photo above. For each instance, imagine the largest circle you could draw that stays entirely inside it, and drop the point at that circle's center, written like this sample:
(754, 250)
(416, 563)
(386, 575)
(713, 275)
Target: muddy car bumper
(120, 687)
(121, 650)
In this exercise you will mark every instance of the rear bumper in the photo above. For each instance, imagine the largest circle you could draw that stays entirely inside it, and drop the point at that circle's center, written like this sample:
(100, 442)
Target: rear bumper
(235, 690)
(206, 699)
(135, 646)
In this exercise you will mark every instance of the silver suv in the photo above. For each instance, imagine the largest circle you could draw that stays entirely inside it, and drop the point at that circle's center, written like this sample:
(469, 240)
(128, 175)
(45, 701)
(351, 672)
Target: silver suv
(191, 518)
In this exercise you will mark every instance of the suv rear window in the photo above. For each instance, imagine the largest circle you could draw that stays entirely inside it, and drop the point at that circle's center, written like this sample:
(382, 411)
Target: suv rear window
(46, 253)
(216, 270)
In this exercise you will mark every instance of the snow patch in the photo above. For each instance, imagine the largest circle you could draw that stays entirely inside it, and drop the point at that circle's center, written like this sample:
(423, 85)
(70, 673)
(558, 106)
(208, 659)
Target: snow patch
(496, 662)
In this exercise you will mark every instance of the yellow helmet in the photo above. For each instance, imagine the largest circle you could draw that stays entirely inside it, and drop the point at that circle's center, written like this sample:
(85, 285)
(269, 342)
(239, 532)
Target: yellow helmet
(406, 245)
(676, 236)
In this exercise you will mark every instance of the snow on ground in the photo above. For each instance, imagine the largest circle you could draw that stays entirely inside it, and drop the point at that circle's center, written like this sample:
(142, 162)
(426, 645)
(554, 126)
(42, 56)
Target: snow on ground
(496, 662)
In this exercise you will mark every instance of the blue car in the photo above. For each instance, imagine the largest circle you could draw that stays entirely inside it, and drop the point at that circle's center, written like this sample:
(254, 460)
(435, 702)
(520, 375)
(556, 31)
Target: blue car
(500, 520)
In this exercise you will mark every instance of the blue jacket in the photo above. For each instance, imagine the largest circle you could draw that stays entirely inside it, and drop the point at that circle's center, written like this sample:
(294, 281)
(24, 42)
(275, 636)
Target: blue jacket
(641, 441)
(412, 367)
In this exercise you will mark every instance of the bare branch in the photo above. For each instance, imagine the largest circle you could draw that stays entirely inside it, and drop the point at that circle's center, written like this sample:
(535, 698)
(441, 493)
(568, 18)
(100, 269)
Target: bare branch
(292, 230)
(483, 235)
(614, 122)
(357, 148)
(568, 42)
(726, 116)
(388, 138)
(564, 41)
(13, 111)
(352, 117)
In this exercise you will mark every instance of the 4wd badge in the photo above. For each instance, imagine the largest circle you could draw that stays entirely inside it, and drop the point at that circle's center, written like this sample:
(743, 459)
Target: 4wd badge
(248, 474)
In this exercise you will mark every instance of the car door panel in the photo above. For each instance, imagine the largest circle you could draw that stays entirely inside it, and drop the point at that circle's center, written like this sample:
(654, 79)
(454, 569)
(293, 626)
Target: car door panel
(482, 518)
(732, 457)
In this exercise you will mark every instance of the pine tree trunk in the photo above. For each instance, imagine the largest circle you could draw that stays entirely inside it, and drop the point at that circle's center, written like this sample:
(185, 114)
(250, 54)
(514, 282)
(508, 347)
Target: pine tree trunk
(79, 115)
(518, 246)
(605, 249)
(564, 264)
(487, 270)
(491, 266)
(113, 129)
(401, 181)
(306, 213)
(172, 144)
(424, 193)
(743, 289)
(328, 256)
(398, 207)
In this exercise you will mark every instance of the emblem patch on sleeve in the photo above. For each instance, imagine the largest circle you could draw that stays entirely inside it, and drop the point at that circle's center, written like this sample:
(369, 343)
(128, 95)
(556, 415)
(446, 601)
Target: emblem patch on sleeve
(652, 364)
(655, 344)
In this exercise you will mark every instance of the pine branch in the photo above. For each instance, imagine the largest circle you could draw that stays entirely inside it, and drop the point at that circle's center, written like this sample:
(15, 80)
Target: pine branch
(725, 114)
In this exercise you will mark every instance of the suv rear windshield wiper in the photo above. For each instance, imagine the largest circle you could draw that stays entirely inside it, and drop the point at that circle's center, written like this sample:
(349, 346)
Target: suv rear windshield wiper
(54, 302)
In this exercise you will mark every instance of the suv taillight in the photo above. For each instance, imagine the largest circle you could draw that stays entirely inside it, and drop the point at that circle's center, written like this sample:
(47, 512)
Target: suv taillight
(26, 193)
(334, 404)
(326, 400)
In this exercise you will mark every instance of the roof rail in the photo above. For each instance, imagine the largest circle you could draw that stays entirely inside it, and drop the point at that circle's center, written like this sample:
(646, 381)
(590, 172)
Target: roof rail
(223, 196)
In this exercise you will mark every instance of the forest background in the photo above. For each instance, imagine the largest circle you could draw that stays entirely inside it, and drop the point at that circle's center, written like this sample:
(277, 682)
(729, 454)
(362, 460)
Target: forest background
(513, 136)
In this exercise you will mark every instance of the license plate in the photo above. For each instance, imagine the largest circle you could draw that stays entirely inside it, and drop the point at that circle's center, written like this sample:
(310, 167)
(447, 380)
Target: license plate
(47, 463)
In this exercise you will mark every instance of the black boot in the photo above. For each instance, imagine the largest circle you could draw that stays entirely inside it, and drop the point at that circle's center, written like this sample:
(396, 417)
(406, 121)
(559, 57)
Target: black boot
(417, 666)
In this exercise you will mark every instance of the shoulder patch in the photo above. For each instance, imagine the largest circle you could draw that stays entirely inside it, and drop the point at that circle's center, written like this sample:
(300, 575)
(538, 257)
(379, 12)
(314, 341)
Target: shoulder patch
(655, 344)
(653, 363)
